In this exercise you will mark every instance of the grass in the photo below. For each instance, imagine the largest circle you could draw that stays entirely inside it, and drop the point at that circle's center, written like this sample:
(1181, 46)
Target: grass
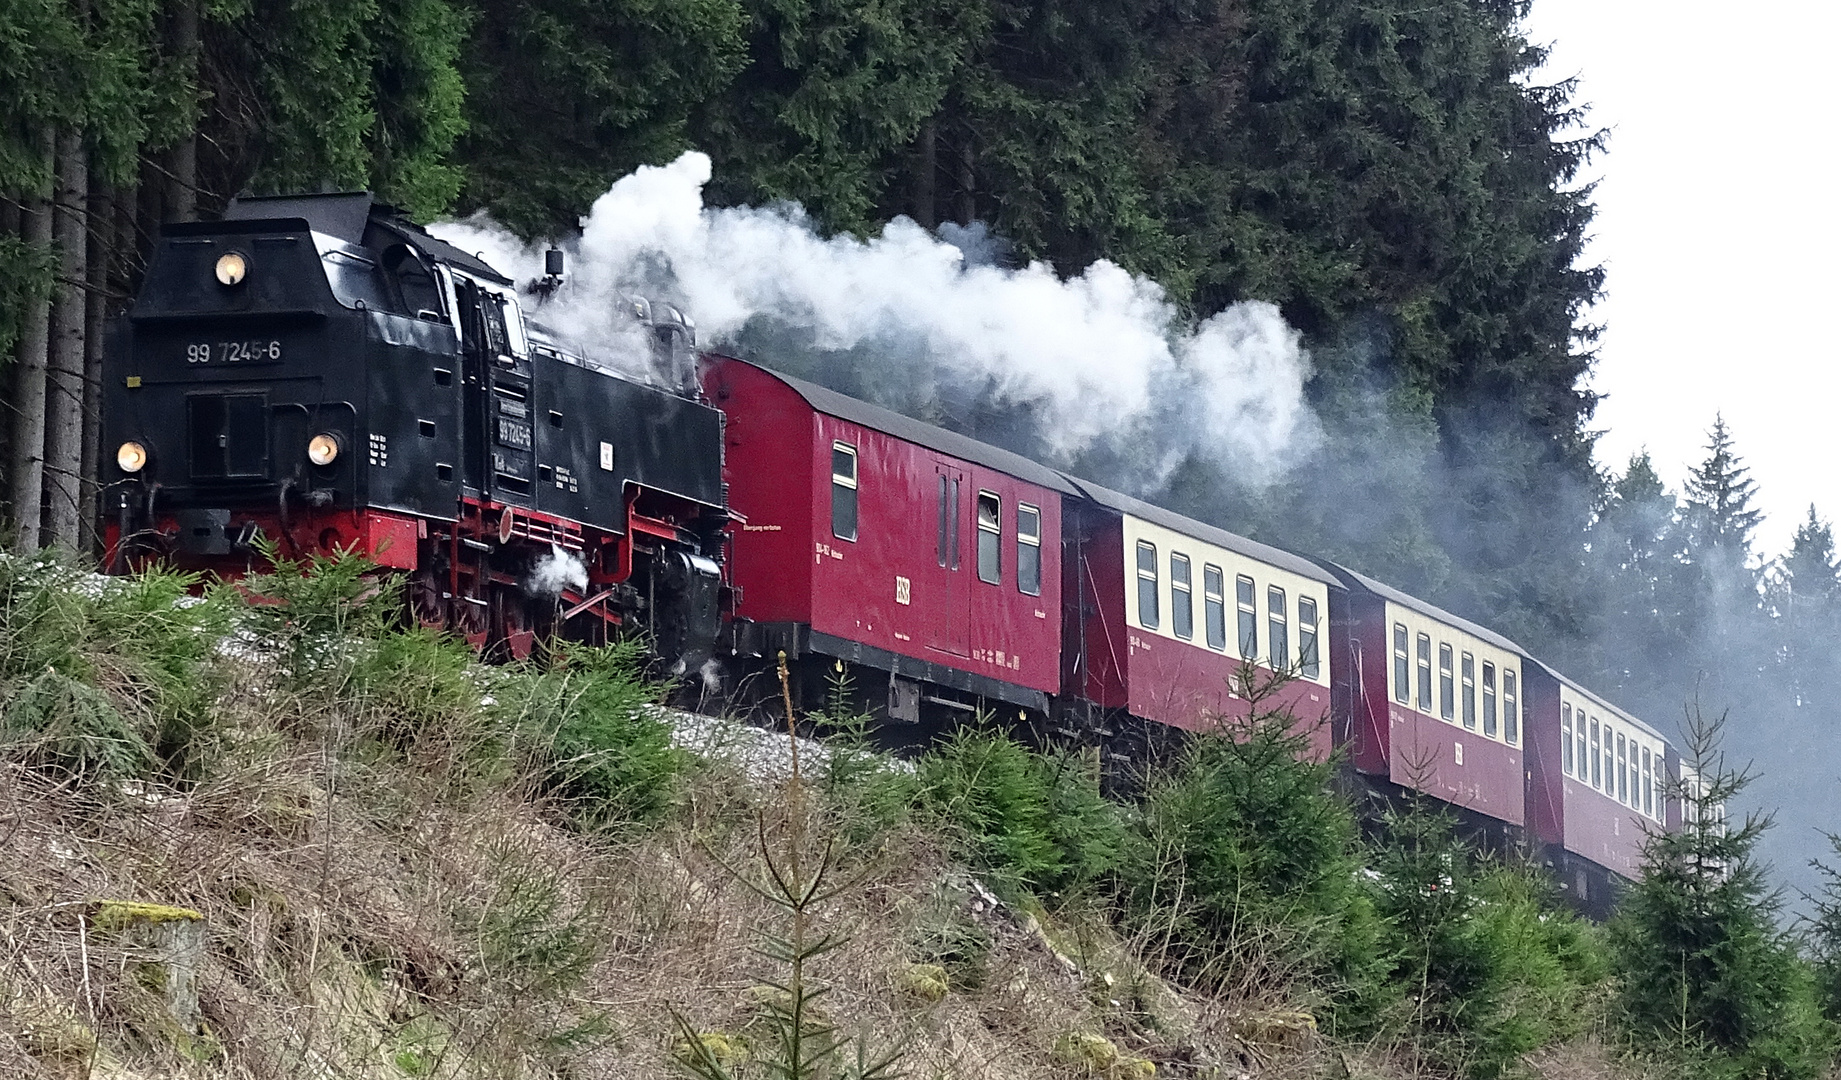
(410, 865)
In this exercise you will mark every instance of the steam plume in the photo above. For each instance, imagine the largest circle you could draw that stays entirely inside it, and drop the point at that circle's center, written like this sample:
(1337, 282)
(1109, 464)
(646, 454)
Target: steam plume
(1099, 359)
(554, 572)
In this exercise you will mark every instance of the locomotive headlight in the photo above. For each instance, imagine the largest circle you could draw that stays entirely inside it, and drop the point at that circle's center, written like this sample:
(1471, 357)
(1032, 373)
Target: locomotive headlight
(232, 268)
(323, 449)
(131, 457)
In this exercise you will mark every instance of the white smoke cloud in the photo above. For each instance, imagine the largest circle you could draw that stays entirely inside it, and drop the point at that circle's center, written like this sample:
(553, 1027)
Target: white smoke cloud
(554, 572)
(1089, 357)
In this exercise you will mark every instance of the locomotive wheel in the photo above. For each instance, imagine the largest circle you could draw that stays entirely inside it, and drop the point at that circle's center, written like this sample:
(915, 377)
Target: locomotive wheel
(512, 635)
(425, 600)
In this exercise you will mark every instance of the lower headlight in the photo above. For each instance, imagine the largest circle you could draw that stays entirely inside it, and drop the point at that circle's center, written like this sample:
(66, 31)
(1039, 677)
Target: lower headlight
(131, 457)
(323, 449)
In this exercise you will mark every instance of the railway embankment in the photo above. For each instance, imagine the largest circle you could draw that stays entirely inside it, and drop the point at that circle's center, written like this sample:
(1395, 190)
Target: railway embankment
(271, 834)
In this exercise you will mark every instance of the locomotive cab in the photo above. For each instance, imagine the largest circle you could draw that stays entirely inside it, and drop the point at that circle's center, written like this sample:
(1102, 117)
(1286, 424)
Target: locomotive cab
(320, 372)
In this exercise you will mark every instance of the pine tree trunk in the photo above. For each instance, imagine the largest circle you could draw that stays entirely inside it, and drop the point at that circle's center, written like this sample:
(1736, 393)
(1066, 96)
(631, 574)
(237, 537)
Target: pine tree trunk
(968, 183)
(95, 314)
(9, 227)
(125, 261)
(26, 477)
(69, 325)
(182, 183)
(151, 208)
(925, 168)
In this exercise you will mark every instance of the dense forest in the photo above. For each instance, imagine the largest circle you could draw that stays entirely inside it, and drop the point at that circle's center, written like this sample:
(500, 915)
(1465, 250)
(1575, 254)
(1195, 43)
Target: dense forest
(1393, 175)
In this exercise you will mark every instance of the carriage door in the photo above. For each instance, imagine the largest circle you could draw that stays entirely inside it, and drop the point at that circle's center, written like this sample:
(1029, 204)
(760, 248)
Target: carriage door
(949, 616)
(498, 391)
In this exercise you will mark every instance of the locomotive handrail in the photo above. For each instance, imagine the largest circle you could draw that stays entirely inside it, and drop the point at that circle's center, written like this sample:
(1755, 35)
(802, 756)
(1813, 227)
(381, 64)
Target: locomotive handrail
(266, 315)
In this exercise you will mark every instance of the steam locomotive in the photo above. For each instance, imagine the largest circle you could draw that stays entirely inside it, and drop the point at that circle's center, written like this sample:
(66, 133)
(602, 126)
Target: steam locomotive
(317, 373)
(320, 373)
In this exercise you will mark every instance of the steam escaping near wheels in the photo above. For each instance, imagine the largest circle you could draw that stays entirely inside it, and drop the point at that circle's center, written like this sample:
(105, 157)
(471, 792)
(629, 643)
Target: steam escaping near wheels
(553, 573)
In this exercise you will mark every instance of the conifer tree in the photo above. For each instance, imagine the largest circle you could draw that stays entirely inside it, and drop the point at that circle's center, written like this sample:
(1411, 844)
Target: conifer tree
(1719, 514)
(1804, 597)
(1825, 933)
(1645, 624)
(1727, 641)
(1707, 978)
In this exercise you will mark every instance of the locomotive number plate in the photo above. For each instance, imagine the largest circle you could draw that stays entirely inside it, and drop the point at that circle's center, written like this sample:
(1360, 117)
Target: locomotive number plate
(233, 352)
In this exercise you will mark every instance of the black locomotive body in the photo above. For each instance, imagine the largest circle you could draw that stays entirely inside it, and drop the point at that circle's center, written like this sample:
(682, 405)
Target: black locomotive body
(319, 372)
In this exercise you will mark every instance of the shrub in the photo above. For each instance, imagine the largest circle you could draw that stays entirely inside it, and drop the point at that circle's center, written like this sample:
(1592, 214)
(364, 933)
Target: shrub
(867, 793)
(1825, 934)
(1245, 865)
(416, 679)
(307, 614)
(1033, 820)
(603, 747)
(110, 677)
(1707, 977)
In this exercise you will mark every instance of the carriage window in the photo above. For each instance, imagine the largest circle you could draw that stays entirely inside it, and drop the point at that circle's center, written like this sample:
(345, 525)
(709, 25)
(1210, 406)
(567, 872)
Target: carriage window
(990, 538)
(1469, 672)
(1249, 617)
(1307, 637)
(1447, 684)
(946, 546)
(1028, 549)
(1597, 760)
(1566, 739)
(1489, 699)
(1278, 619)
(939, 545)
(1583, 765)
(1623, 771)
(1648, 791)
(1661, 790)
(1403, 666)
(843, 491)
(1147, 585)
(1425, 674)
(1182, 613)
(1214, 606)
(1511, 709)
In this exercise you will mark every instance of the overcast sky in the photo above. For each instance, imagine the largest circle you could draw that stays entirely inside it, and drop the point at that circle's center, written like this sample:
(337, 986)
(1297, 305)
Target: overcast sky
(1718, 226)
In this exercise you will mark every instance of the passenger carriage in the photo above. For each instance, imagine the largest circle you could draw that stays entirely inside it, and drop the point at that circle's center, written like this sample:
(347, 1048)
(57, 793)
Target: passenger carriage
(1597, 783)
(875, 539)
(1435, 703)
(1170, 611)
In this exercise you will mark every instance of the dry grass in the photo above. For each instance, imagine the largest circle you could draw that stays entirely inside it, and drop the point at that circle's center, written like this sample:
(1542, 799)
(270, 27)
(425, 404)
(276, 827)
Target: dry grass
(380, 912)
